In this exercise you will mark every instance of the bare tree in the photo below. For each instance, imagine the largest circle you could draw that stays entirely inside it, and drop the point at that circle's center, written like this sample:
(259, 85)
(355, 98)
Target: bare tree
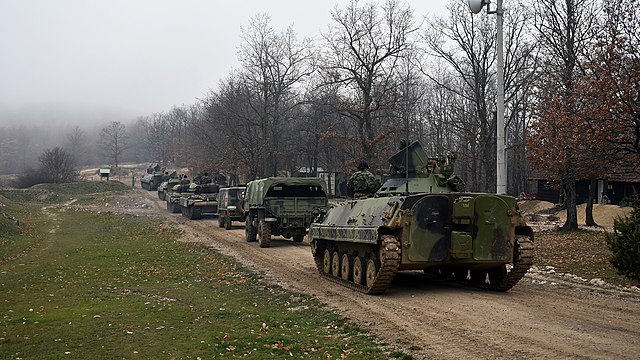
(558, 142)
(76, 144)
(273, 65)
(58, 165)
(467, 45)
(113, 139)
(364, 47)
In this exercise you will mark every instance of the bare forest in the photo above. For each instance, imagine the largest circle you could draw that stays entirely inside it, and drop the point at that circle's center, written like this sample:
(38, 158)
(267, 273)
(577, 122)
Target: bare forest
(381, 74)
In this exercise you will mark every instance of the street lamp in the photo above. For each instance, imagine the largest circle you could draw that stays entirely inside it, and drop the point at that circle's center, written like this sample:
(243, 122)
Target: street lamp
(501, 166)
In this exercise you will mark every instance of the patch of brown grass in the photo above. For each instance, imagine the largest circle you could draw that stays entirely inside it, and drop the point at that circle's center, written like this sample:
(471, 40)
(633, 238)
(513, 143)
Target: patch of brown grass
(581, 253)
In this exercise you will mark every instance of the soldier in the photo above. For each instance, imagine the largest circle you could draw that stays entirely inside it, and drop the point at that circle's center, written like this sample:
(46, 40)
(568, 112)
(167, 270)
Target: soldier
(362, 182)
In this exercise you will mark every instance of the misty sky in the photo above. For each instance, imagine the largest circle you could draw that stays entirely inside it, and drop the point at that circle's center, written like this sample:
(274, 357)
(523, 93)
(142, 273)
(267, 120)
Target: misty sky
(136, 57)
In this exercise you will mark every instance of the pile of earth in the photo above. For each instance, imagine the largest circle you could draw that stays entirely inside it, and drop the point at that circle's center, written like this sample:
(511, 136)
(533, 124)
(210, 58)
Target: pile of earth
(543, 211)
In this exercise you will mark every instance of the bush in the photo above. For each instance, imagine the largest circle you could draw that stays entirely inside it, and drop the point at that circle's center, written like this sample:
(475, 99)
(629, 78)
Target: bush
(30, 178)
(624, 243)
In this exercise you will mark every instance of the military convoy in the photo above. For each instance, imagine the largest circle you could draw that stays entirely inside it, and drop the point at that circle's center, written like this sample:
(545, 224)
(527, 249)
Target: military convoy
(230, 206)
(421, 219)
(282, 206)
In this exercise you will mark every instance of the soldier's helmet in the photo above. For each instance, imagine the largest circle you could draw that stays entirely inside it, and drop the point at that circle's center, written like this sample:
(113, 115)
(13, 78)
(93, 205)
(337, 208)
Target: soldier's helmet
(363, 166)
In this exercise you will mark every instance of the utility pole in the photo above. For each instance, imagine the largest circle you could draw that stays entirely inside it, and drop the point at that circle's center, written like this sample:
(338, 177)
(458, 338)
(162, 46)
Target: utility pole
(501, 165)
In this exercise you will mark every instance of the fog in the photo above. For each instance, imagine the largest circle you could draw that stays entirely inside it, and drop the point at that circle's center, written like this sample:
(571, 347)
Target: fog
(83, 61)
(77, 65)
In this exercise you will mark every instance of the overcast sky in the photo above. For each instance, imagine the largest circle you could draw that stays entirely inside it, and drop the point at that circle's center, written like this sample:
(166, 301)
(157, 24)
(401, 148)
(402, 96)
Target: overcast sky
(136, 57)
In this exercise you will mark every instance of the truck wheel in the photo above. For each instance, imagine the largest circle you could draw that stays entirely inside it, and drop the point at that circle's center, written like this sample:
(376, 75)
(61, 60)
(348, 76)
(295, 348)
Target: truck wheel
(169, 207)
(220, 220)
(161, 196)
(264, 234)
(227, 222)
(250, 232)
(298, 237)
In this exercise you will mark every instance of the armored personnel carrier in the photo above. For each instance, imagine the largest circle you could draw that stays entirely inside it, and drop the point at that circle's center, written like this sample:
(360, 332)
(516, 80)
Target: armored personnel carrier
(153, 178)
(199, 199)
(282, 206)
(230, 206)
(421, 219)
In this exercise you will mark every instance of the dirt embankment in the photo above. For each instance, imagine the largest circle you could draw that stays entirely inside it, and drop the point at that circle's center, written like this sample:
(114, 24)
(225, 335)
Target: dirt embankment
(603, 214)
(435, 320)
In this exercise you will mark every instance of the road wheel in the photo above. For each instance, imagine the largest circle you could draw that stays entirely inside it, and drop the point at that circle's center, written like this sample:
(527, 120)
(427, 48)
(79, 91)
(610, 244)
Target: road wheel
(250, 232)
(298, 237)
(345, 267)
(335, 264)
(264, 234)
(326, 262)
(358, 270)
(227, 222)
(373, 267)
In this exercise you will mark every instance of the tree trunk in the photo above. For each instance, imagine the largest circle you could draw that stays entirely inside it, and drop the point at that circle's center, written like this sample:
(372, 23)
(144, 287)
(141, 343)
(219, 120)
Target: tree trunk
(589, 212)
(570, 202)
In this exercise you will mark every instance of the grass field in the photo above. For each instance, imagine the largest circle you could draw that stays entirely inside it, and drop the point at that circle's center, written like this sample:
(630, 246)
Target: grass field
(581, 253)
(83, 285)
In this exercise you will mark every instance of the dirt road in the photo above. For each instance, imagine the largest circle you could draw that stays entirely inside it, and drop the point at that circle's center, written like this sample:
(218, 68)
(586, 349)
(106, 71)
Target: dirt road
(434, 320)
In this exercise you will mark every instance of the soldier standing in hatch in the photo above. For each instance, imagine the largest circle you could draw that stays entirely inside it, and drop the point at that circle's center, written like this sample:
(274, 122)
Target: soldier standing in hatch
(362, 182)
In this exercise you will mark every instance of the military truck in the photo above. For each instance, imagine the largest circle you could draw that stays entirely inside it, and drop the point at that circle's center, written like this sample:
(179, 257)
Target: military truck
(421, 219)
(230, 206)
(174, 194)
(282, 206)
(153, 178)
(198, 200)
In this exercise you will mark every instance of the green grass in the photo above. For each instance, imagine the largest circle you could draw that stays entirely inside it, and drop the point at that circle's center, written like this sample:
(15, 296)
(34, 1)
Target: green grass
(82, 285)
(583, 253)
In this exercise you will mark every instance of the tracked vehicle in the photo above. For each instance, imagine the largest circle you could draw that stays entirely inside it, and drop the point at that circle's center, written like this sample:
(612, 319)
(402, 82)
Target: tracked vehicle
(421, 219)
(169, 182)
(173, 195)
(198, 200)
(154, 176)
